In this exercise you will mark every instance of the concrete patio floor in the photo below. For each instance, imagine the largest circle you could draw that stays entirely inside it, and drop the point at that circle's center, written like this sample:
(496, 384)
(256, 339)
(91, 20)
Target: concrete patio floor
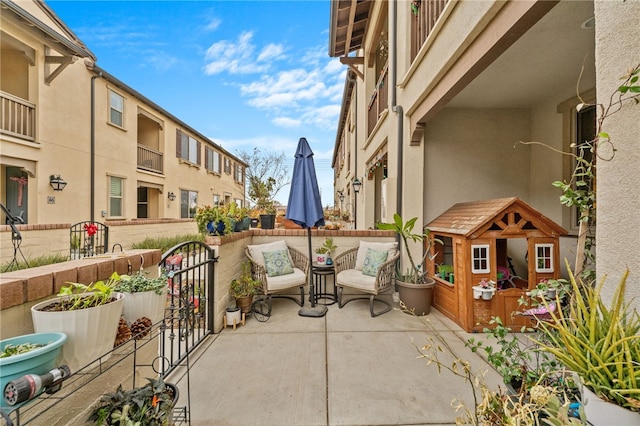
(345, 368)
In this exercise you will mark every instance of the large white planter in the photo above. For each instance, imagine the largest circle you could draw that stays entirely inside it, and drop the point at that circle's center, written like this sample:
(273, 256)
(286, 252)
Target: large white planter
(144, 304)
(602, 413)
(90, 332)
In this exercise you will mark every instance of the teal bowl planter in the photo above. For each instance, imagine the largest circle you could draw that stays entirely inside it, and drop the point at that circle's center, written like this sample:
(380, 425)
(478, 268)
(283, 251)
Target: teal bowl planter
(38, 361)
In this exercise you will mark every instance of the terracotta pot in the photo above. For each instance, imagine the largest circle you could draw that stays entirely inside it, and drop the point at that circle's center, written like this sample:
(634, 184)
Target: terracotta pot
(244, 303)
(417, 297)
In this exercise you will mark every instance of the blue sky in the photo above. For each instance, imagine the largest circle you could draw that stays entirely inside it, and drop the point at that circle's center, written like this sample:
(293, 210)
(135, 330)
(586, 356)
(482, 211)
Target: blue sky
(245, 73)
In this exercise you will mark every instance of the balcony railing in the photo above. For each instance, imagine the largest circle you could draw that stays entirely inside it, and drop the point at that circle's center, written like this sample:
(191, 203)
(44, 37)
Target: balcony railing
(379, 100)
(17, 117)
(423, 22)
(149, 159)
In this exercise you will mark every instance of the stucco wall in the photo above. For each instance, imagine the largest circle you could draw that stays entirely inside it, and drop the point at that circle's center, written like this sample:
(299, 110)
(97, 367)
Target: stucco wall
(618, 231)
(481, 162)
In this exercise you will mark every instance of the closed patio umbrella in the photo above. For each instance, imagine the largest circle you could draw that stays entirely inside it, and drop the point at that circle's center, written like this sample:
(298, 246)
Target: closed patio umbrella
(305, 206)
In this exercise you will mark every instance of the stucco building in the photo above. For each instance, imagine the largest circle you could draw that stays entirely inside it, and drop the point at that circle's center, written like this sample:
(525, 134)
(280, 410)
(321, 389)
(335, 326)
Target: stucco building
(63, 118)
(440, 93)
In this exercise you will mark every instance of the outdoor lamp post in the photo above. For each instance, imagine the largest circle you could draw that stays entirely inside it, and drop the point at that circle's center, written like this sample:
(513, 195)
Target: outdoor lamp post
(341, 198)
(356, 188)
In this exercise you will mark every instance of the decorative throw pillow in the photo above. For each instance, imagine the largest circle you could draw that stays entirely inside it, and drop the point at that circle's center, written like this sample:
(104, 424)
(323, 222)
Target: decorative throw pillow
(277, 263)
(373, 260)
(392, 248)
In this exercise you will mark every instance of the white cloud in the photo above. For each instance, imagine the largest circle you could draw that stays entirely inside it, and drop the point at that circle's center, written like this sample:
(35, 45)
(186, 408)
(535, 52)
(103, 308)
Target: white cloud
(271, 52)
(213, 24)
(233, 57)
(286, 122)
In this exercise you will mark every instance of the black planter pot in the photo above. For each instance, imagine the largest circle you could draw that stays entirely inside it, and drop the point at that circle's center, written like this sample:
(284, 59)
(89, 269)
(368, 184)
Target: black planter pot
(237, 227)
(254, 222)
(267, 221)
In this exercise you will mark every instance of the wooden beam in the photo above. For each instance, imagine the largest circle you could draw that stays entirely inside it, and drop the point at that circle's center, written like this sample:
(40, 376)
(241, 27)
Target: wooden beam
(352, 60)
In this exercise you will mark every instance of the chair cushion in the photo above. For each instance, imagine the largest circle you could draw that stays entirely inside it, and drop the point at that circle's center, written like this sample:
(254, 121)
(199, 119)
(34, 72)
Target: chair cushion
(373, 260)
(356, 279)
(256, 250)
(392, 248)
(282, 282)
(277, 263)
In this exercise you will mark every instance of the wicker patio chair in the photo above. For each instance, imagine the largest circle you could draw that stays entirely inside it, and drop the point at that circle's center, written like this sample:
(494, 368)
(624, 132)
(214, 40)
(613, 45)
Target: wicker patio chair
(272, 285)
(350, 275)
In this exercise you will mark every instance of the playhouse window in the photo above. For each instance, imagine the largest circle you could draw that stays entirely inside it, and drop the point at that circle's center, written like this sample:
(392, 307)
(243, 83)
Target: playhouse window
(544, 258)
(480, 259)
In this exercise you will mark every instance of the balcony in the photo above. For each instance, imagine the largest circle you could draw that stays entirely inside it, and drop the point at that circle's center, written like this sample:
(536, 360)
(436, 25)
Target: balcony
(17, 117)
(428, 13)
(379, 100)
(149, 159)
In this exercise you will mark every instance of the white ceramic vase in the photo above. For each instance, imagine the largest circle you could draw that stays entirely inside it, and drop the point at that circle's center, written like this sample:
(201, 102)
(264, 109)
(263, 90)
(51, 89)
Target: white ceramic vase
(90, 332)
(321, 258)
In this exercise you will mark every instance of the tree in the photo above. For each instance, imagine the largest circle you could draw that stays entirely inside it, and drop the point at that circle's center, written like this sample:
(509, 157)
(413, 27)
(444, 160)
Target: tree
(266, 175)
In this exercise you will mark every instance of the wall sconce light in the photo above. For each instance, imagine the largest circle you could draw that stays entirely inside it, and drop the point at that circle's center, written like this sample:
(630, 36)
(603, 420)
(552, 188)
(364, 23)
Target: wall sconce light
(57, 183)
(341, 196)
(356, 185)
(171, 196)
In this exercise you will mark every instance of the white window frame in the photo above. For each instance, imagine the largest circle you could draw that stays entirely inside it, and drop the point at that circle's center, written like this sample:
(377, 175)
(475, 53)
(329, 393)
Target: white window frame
(113, 197)
(482, 257)
(215, 167)
(216, 199)
(188, 148)
(115, 108)
(544, 257)
(239, 172)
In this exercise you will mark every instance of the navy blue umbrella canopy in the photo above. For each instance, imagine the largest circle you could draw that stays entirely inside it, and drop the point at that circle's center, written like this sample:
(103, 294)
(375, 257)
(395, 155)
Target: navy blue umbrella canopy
(305, 205)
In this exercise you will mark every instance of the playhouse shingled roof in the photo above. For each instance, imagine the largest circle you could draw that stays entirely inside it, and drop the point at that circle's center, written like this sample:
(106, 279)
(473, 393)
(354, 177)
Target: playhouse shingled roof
(506, 215)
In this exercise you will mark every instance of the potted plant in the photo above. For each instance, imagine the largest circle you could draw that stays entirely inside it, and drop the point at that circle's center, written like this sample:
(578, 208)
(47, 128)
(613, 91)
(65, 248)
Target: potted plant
(145, 297)
(600, 343)
(416, 289)
(321, 255)
(330, 249)
(268, 214)
(213, 220)
(485, 289)
(28, 354)
(244, 288)
(151, 405)
(233, 315)
(88, 314)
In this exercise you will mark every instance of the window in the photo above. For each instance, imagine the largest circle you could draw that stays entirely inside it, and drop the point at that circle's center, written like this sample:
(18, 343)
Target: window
(143, 202)
(238, 202)
(585, 134)
(227, 165)
(212, 160)
(238, 171)
(544, 257)
(116, 195)
(188, 203)
(116, 109)
(480, 258)
(216, 199)
(187, 148)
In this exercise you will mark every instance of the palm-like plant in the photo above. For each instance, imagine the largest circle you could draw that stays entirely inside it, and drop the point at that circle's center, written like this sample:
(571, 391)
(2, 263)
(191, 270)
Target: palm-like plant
(415, 273)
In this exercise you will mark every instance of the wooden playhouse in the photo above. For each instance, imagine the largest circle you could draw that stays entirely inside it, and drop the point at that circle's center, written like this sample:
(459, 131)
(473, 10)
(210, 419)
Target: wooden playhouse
(476, 241)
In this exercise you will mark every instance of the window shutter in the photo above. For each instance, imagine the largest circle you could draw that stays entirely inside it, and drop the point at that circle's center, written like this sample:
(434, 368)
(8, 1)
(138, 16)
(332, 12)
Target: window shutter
(199, 155)
(178, 144)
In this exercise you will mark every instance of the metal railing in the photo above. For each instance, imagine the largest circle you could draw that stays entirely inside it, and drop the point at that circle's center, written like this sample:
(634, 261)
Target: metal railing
(158, 350)
(17, 117)
(428, 12)
(379, 100)
(149, 159)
